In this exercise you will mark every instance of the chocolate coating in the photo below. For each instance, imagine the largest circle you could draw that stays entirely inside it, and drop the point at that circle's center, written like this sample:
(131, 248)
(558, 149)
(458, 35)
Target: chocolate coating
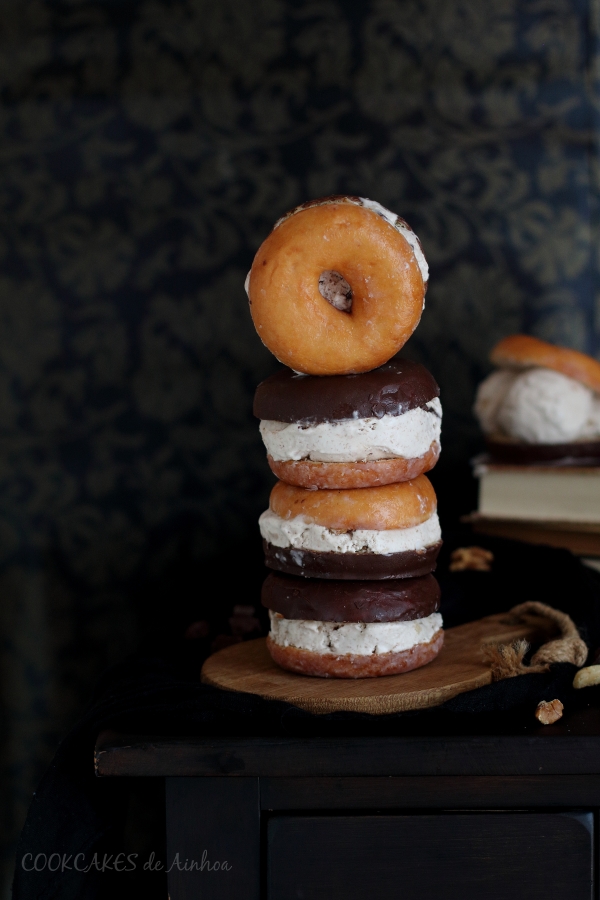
(351, 601)
(577, 453)
(351, 566)
(391, 389)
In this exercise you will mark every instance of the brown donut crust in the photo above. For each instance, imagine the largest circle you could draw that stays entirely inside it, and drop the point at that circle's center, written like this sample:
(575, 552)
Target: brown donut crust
(323, 600)
(517, 453)
(393, 389)
(294, 320)
(401, 505)
(351, 665)
(522, 350)
(352, 566)
(307, 473)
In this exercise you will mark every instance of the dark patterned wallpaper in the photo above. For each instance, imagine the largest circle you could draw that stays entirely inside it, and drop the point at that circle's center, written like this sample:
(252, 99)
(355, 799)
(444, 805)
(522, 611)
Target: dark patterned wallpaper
(146, 149)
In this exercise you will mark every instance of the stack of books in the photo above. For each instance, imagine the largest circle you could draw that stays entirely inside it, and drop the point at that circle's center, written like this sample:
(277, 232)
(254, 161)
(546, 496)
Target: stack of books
(555, 505)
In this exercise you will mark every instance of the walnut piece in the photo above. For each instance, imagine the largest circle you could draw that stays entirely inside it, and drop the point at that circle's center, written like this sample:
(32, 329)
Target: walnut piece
(475, 558)
(549, 711)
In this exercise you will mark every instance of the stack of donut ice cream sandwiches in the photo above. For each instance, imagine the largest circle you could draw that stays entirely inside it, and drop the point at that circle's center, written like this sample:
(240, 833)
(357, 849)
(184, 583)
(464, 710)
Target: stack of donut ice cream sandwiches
(350, 427)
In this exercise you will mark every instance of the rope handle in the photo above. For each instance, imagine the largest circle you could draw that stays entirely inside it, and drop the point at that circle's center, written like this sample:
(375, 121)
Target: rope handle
(506, 660)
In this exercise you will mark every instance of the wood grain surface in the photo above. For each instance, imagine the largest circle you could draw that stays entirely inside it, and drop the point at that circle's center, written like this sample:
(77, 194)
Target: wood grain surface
(457, 856)
(460, 667)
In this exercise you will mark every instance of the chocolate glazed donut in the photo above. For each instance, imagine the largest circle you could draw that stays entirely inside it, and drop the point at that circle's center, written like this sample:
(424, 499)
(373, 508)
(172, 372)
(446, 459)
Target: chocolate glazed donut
(576, 453)
(392, 389)
(352, 566)
(351, 601)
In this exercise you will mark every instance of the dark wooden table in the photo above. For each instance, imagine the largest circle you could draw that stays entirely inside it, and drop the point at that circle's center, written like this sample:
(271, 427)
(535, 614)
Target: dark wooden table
(510, 815)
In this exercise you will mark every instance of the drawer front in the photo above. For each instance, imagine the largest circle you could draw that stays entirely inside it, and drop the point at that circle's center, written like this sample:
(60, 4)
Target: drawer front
(534, 856)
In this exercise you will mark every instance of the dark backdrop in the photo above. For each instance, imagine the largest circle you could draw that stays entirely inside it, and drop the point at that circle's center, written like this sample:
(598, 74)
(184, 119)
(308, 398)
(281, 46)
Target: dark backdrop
(146, 149)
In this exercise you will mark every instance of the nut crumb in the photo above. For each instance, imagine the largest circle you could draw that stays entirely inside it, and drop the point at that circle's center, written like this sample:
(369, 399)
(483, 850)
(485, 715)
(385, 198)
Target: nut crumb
(475, 558)
(549, 711)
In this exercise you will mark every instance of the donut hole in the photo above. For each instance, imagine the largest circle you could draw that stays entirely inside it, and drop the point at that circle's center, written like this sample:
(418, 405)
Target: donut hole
(334, 288)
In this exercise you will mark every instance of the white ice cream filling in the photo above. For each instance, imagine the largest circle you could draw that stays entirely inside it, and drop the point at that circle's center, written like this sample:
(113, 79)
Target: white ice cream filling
(404, 229)
(490, 396)
(361, 638)
(301, 534)
(537, 406)
(406, 436)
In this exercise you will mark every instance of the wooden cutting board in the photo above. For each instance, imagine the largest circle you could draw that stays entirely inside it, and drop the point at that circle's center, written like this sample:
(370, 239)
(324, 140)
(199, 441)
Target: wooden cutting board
(460, 667)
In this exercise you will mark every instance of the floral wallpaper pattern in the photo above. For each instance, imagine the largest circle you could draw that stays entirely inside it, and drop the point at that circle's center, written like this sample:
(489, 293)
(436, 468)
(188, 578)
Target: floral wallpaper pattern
(146, 148)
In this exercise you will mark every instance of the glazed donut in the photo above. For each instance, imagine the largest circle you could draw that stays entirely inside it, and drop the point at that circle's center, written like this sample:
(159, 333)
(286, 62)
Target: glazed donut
(354, 665)
(372, 533)
(351, 431)
(321, 476)
(392, 506)
(522, 351)
(337, 287)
